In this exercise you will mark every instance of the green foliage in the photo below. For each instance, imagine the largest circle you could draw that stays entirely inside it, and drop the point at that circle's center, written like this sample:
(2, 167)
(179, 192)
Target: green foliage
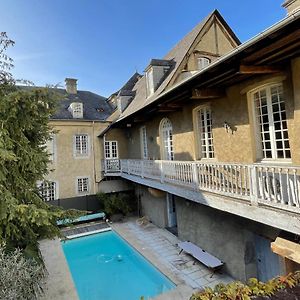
(24, 130)
(121, 203)
(239, 291)
(20, 277)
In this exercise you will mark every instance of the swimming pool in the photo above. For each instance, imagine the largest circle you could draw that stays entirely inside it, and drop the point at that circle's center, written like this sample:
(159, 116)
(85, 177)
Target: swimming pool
(105, 267)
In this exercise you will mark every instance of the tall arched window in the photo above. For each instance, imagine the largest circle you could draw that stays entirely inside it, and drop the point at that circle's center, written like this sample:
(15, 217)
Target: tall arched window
(166, 138)
(203, 132)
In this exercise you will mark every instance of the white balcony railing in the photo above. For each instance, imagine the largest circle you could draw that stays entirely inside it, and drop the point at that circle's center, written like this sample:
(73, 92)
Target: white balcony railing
(277, 186)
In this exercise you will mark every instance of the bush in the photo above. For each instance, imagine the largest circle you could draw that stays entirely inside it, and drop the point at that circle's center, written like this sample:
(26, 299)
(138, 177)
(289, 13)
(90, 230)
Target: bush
(239, 291)
(20, 278)
(121, 203)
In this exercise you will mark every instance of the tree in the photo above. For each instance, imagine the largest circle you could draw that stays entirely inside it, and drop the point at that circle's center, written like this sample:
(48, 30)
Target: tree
(24, 131)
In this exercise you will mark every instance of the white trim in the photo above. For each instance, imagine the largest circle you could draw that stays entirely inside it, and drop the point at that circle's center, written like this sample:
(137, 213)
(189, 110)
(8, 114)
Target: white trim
(88, 185)
(110, 148)
(209, 142)
(166, 139)
(81, 156)
(144, 143)
(260, 155)
(56, 189)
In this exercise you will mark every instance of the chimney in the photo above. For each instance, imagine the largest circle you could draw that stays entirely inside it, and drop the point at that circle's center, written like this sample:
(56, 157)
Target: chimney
(291, 6)
(71, 85)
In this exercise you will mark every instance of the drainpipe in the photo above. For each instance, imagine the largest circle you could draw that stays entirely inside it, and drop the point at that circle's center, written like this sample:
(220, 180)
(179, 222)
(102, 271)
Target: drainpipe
(94, 159)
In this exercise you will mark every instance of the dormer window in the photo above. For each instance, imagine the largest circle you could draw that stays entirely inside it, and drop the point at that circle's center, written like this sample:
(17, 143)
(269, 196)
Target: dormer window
(150, 82)
(156, 72)
(203, 62)
(76, 108)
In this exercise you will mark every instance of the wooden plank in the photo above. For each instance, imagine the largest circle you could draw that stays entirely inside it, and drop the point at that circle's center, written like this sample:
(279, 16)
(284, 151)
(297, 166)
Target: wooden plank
(287, 249)
(207, 93)
(245, 69)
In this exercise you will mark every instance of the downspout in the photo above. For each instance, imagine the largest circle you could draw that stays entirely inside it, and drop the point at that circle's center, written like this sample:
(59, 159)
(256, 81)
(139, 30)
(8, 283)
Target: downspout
(94, 158)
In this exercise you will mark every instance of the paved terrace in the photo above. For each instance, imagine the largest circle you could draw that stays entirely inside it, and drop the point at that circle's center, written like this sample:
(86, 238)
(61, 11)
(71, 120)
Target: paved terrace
(157, 245)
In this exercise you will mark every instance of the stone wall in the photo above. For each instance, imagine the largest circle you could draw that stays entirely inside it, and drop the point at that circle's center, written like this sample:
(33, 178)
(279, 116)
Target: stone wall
(230, 238)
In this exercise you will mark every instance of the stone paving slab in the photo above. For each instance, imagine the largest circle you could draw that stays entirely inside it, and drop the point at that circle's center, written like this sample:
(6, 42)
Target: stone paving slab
(59, 285)
(160, 247)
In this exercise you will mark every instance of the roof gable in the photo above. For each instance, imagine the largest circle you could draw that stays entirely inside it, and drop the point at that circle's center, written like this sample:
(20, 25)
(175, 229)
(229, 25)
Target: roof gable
(177, 54)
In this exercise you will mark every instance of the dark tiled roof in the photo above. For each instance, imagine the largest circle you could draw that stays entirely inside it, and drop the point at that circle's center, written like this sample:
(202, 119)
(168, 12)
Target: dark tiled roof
(95, 107)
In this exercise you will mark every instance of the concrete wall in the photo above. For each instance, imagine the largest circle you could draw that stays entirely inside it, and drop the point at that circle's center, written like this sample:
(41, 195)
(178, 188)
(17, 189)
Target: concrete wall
(66, 167)
(225, 236)
(113, 186)
(152, 207)
(86, 203)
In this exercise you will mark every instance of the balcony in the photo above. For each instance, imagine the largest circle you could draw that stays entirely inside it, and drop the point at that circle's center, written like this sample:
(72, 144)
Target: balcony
(256, 191)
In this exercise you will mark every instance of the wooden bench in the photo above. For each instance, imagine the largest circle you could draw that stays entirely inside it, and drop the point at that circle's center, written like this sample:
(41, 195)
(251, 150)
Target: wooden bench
(201, 255)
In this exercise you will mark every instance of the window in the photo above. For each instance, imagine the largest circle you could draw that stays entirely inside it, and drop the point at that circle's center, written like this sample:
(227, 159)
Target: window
(270, 115)
(76, 108)
(83, 185)
(204, 135)
(150, 82)
(48, 190)
(203, 62)
(81, 145)
(144, 146)
(166, 136)
(111, 149)
(50, 146)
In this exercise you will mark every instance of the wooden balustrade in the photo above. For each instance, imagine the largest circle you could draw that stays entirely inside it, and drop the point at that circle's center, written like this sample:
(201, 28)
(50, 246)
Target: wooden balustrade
(258, 183)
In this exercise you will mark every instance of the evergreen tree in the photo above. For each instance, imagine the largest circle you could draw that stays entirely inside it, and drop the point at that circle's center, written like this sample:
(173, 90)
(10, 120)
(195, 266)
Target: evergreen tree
(24, 131)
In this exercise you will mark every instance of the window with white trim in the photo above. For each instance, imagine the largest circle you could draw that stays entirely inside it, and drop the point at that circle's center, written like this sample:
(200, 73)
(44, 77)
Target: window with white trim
(271, 121)
(144, 145)
(48, 190)
(166, 136)
(203, 62)
(150, 82)
(76, 108)
(81, 145)
(83, 185)
(204, 134)
(111, 149)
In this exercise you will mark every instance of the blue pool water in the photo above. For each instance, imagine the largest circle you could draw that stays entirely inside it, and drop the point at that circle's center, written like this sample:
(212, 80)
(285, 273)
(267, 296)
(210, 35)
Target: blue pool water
(105, 267)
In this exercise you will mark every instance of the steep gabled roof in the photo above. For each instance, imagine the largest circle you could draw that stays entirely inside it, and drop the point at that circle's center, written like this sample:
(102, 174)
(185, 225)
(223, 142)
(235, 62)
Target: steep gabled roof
(177, 55)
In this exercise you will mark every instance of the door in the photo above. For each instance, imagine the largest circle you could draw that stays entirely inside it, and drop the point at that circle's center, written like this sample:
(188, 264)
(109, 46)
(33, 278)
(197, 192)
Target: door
(171, 208)
(112, 163)
(166, 134)
(268, 263)
(111, 149)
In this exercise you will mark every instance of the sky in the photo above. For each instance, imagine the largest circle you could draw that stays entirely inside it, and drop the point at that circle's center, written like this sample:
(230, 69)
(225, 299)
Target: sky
(103, 42)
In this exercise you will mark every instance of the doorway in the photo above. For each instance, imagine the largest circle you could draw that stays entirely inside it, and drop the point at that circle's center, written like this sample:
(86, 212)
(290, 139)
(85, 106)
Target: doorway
(171, 214)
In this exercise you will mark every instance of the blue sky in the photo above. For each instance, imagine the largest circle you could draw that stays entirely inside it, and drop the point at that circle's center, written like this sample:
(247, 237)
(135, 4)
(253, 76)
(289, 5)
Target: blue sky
(103, 42)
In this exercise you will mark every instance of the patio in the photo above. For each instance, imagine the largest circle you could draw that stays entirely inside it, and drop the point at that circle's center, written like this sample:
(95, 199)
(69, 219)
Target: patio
(157, 245)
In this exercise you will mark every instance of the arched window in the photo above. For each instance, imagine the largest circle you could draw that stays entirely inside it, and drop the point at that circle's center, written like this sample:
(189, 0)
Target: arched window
(203, 132)
(166, 138)
(203, 62)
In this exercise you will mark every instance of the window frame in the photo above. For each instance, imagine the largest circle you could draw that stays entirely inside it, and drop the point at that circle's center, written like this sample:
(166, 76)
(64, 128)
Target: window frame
(150, 82)
(111, 150)
(77, 110)
(166, 143)
(83, 193)
(198, 132)
(257, 128)
(204, 65)
(144, 143)
(55, 193)
(81, 154)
